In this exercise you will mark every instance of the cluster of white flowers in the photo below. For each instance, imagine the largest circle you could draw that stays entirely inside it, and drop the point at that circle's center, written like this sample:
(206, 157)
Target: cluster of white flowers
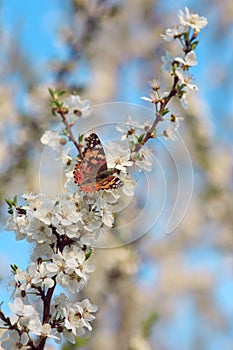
(188, 21)
(63, 229)
(77, 108)
(186, 32)
(133, 131)
(67, 318)
(56, 227)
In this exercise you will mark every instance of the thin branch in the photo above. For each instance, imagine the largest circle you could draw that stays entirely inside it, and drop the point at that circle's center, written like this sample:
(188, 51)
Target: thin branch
(70, 133)
(158, 115)
(150, 132)
(46, 314)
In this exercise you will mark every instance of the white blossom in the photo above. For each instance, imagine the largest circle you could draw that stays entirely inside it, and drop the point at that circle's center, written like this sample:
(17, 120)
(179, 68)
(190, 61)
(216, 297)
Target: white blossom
(107, 216)
(77, 107)
(153, 97)
(34, 201)
(52, 139)
(18, 223)
(92, 221)
(173, 33)
(170, 133)
(44, 249)
(192, 20)
(47, 212)
(168, 61)
(71, 231)
(69, 336)
(154, 83)
(185, 78)
(43, 330)
(43, 274)
(38, 231)
(57, 142)
(189, 59)
(14, 340)
(65, 213)
(79, 316)
(129, 186)
(22, 310)
(143, 159)
(58, 304)
(23, 281)
(64, 157)
(73, 268)
(118, 155)
(131, 128)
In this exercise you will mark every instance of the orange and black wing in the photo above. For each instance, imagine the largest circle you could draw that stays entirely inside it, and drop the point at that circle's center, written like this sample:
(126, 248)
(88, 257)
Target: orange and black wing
(91, 172)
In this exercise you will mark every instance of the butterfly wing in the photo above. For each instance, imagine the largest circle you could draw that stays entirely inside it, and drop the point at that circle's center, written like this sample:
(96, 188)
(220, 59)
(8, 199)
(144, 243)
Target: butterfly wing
(91, 172)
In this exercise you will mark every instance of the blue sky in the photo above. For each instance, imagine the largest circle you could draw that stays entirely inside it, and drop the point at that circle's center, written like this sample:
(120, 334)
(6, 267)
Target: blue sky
(37, 22)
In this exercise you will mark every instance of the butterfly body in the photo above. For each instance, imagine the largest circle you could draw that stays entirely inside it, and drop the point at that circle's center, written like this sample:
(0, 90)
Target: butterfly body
(91, 172)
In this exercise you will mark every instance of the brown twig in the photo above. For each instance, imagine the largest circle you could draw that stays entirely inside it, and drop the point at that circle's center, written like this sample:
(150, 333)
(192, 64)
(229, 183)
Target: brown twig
(150, 132)
(46, 314)
(70, 133)
(158, 115)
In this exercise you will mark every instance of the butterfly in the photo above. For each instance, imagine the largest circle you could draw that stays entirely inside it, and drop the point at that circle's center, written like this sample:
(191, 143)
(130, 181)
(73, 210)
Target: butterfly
(91, 172)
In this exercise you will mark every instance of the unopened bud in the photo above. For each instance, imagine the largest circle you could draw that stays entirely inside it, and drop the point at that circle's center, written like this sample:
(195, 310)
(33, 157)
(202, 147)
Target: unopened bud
(63, 141)
(173, 118)
(65, 110)
(77, 112)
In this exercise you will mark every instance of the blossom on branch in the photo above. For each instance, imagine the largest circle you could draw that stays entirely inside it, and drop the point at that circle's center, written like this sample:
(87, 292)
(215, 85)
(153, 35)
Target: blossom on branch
(192, 20)
(77, 108)
(64, 229)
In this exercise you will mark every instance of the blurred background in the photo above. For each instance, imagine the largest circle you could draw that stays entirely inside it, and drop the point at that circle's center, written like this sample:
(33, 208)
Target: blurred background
(162, 292)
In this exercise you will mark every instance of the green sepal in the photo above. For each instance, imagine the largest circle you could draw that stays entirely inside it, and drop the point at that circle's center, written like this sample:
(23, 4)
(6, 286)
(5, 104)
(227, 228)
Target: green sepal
(194, 45)
(15, 200)
(11, 204)
(51, 92)
(60, 93)
(80, 138)
(88, 253)
(165, 111)
(140, 138)
(148, 324)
